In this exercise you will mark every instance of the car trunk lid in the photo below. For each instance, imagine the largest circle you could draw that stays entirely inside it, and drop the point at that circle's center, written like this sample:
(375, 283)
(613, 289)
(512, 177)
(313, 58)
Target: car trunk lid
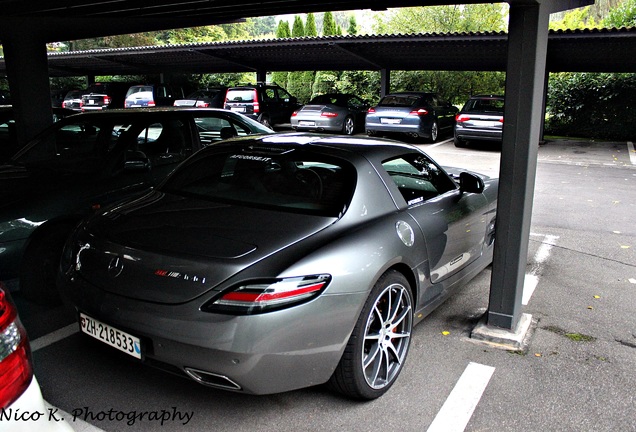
(175, 253)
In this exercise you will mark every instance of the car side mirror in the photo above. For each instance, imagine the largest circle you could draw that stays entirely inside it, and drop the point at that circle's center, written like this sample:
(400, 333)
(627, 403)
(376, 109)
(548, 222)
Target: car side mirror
(470, 183)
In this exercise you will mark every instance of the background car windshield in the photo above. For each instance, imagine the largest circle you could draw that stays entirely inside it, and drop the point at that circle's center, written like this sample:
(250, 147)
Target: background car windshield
(291, 181)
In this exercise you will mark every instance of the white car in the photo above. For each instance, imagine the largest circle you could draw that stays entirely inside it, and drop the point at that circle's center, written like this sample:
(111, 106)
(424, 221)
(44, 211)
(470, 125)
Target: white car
(22, 408)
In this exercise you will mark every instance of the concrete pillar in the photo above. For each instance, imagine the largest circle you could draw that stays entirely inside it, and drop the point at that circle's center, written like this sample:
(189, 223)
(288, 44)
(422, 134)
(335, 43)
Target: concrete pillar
(385, 82)
(28, 76)
(525, 78)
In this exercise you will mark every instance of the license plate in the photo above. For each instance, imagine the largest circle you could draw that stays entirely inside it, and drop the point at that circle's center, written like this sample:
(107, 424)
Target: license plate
(91, 102)
(389, 120)
(110, 335)
(238, 109)
(306, 123)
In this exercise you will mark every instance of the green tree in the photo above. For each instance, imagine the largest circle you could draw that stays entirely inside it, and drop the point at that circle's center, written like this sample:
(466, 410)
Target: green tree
(282, 31)
(328, 25)
(295, 80)
(595, 105)
(580, 18)
(310, 25)
(444, 19)
(298, 29)
(624, 15)
(353, 26)
(117, 41)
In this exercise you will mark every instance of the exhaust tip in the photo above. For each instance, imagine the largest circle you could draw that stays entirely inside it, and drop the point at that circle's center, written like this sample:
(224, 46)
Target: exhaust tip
(211, 379)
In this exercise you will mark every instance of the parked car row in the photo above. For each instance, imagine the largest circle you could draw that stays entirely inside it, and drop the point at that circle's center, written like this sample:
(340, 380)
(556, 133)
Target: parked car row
(414, 114)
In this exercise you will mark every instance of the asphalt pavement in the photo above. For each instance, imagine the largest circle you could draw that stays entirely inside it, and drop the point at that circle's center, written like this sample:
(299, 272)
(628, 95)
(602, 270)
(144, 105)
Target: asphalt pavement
(578, 373)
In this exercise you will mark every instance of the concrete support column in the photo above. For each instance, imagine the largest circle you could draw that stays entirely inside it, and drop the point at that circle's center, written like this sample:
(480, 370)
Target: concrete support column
(28, 76)
(261, 75)
(385, 82)
(525, 78)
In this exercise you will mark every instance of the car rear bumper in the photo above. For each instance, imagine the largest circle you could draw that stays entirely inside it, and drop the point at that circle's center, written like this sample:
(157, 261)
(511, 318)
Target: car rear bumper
(258, 354)
(316, 125)
(478, 134)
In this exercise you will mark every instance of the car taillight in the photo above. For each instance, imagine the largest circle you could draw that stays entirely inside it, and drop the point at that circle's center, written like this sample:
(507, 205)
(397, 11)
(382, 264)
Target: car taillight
(151, 103)
(294, 114)
(460, 118)
(16, 370)
(329, 114)
(107, 100)
(202, 104)
(257, 107)
(371, 111)
(501, 120)
(419, 112)
(64, 104)
(266, 296)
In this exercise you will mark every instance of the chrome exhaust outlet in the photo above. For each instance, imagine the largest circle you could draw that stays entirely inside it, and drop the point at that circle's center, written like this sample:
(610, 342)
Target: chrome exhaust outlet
(212, 379)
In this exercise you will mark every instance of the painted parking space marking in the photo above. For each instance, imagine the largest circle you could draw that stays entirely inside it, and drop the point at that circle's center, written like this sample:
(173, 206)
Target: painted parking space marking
(540, 257)
(631, 152)
(53, 337)
(463, 399)
(439, 143)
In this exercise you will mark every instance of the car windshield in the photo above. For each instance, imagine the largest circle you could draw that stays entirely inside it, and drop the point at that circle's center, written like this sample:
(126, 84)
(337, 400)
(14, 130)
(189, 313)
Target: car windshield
(284, 180)
(494, 105)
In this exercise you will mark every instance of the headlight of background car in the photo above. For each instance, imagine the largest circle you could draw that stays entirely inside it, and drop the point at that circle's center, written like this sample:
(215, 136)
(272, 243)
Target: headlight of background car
(255, 297)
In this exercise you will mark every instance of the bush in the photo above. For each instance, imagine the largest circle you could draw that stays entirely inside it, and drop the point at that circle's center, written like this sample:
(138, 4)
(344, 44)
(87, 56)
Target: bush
(592, 105)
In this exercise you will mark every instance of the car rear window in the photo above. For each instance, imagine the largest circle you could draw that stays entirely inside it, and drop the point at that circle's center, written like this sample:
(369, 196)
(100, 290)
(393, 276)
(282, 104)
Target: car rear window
(401, 100)
(493, 105)
(240, 95)
(286, 180)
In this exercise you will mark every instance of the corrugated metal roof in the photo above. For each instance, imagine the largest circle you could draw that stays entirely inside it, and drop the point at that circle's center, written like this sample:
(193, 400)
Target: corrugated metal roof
(608, 50)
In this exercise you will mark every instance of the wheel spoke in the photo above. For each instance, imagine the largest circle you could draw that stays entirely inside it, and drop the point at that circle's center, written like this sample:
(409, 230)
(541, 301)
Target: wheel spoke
(371, 356)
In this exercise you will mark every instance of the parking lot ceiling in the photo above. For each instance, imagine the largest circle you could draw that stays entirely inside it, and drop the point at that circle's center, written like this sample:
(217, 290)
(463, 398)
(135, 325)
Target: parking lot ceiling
(602, 50)
(60, 20)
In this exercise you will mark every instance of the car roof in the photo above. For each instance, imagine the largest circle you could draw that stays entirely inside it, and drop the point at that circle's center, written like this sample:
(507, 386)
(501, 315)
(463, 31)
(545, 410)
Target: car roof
(375, 149)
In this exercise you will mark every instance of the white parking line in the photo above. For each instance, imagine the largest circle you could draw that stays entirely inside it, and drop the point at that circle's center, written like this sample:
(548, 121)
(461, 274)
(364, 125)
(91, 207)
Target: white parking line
(631, 152)
(458, 408)
(53, 337)
(540, 257)
(439, 143)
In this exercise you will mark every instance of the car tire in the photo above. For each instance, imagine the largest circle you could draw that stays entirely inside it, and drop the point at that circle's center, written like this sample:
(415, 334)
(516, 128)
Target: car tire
(265, 121)
(40, 265)
(434, 132)
(460, 143)
(348, 126)
(380, 337)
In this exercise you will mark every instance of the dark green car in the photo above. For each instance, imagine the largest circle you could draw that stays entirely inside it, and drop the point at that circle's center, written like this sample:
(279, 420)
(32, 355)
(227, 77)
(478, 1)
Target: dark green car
(86, 162)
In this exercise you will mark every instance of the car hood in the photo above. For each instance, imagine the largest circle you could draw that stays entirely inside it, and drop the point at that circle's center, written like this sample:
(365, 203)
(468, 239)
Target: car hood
(170, 249)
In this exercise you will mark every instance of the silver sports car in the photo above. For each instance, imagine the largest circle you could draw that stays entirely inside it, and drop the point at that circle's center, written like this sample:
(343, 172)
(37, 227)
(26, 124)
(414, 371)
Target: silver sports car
(268, 264)
(332, 112)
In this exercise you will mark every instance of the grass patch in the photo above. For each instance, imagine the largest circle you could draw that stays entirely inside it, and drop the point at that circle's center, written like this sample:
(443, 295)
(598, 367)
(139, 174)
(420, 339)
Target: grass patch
(576, 337)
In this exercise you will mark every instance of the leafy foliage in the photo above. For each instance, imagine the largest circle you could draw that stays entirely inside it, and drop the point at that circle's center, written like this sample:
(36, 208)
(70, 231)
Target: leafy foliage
(592, 105)
(624, 15)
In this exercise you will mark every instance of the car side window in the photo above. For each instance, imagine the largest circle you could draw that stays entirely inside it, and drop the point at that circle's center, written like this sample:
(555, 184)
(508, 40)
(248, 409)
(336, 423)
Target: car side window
(74, 147)
(283, 95)
(417, 177)
(212, 129)
(270, 94)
